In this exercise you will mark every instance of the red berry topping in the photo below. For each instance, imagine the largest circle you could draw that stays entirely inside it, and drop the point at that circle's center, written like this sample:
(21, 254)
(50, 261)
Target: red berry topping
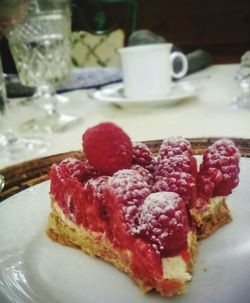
(91, 172)
(147, 175)
(179, 163)
(125, 192)
(207, 180)
(129, 187)
(163, 221)
(174, 146)
(222, 153)
(72, 168)
(143, 156)
(180, 183)
(175, 154)
(108, 148)
(219, 171)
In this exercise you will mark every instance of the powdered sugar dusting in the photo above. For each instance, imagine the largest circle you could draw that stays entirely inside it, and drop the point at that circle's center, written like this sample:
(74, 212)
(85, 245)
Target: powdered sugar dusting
(178, 163)
(143, 156)
(154, 209)
(222, 152)
(164, 201)
(97, 186)
(70, 161)
(129, 185)
(163, 221)
(129, 189)
(73, 168)
(179, 182)
(146, 174)
(174, 146)
(219, 171)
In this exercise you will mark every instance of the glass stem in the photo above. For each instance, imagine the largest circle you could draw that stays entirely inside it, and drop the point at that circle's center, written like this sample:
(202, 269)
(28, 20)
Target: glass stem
(46, 94)
(8, 133)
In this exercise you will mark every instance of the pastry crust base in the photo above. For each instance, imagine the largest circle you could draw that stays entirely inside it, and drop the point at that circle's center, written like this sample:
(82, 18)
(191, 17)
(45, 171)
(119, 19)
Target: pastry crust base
(210, 220)
(65, 232)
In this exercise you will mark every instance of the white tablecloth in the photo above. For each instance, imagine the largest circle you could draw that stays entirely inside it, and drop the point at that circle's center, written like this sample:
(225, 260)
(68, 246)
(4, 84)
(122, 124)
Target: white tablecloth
(208, 114)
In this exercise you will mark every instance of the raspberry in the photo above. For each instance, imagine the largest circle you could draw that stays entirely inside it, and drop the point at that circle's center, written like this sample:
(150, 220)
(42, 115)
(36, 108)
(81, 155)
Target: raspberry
(108, 148)
(72, 168)
(68, 169)
(129, 187)
(147, 176)
(222, 153)
(219, 171)
(207, 180)
(180, 183)
(97, 206)
(174, 146)
(125, 192)
(143, 156)
(179, 163)
(91, 172)
(175, 154)
(163, 221)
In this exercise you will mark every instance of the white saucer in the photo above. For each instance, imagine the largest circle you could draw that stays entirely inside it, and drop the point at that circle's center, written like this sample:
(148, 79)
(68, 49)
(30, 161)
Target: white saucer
(113, 94)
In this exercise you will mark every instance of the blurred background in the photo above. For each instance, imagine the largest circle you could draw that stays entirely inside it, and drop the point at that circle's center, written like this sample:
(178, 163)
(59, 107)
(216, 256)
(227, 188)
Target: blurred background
(221, 28)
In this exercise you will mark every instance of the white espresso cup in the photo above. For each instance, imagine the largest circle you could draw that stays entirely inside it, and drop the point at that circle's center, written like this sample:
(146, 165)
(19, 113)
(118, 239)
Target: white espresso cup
(148, 70)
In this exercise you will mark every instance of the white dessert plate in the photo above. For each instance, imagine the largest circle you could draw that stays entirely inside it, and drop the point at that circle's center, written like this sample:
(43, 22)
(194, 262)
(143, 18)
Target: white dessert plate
(33, 269)
(113, 94)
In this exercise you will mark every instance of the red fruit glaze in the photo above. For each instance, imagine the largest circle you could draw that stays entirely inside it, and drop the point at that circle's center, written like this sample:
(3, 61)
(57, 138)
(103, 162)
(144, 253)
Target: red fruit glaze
(163, 221)
(219, 171)
(125, 192)
(96, 211)
(180, 183)
(143, 156)
(108, 148)
(74, 201)
(146, 262)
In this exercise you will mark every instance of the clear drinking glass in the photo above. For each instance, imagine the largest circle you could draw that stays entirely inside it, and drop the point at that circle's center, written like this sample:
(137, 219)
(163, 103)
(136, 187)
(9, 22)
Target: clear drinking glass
(13, 147)
(41, 49)
(243, 78)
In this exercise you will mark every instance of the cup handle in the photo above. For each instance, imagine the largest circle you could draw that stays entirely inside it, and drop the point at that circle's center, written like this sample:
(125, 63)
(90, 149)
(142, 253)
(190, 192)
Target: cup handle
(183, 58)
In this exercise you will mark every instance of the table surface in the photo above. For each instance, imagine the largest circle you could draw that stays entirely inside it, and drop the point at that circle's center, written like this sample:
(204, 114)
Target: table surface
(209, 114)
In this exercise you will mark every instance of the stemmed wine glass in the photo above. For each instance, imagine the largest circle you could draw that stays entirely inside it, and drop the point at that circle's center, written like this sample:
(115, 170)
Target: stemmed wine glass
(243, 78)
(41, 50)
(13, 147)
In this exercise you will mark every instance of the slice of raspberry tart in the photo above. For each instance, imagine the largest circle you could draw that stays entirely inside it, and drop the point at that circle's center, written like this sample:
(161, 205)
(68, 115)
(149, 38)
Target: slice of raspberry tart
(218, 176)
(136, 210)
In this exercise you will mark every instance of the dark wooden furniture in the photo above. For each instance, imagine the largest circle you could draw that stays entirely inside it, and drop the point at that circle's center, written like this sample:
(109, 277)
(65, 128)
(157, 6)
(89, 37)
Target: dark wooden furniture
(221, 27)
